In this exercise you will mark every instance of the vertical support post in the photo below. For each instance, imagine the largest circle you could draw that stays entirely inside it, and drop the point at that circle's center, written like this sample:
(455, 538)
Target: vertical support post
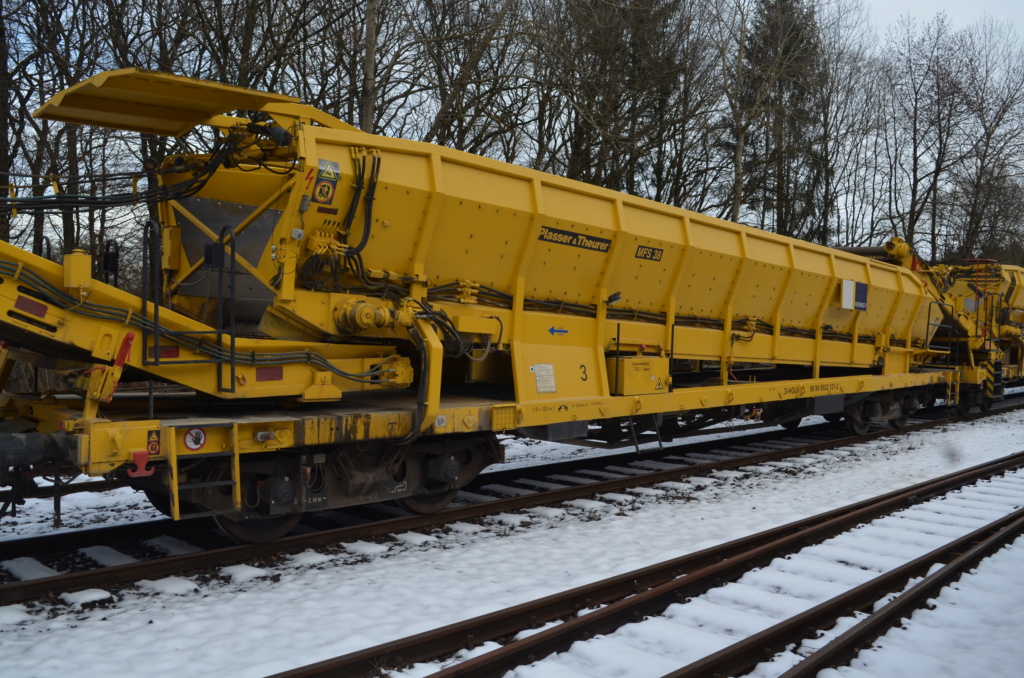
(236, 469)
(725, 361)
(226, 233)
(617, 388)
(172, 462)
(58, 485)
(632, 432)
(151, 287)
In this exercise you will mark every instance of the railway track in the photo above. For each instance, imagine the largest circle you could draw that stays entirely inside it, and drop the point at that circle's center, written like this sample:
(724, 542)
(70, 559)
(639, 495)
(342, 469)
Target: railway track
(92, 558)
(733, 606)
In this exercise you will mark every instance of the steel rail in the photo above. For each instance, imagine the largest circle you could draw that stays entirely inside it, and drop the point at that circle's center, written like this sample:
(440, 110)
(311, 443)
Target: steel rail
(631, 595)
(840, 650)
(743, 656)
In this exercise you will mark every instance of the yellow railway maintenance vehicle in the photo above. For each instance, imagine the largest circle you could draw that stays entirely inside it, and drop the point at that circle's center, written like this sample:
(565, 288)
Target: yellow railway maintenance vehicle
(982, 331)
(354, 318)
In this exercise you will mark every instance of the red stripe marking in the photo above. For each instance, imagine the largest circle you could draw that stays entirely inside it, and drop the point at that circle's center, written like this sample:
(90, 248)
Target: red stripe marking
(270, 373)
(165, 351)
(36, 308)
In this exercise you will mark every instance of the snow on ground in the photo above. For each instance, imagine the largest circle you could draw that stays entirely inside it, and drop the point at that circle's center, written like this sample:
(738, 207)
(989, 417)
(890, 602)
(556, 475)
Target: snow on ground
(689, 630)
(973, 630)
(83, 509)
(261, 618)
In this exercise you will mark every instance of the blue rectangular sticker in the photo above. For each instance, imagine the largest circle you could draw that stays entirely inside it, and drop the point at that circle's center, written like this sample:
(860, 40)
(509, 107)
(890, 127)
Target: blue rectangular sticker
(861, 297)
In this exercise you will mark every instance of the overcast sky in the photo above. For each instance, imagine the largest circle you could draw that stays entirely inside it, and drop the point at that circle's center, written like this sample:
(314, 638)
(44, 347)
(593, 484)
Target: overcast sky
(960, 12)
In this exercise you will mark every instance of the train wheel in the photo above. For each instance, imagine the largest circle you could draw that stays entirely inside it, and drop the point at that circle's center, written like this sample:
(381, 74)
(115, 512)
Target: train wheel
(427, 503)
(856, 421)
(963, 404)
(985, 404)
(899, 422)
(792, 424)
(160, 501)
(858, 427)
(258, 530)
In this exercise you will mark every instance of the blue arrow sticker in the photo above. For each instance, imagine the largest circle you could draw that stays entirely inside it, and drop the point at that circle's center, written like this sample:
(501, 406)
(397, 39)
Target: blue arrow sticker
(554, 331)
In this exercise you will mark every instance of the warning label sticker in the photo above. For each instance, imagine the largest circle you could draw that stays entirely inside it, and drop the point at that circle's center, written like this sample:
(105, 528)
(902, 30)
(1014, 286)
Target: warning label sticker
(195, 438)
(326, 182)
(545, 374)
(153, 442)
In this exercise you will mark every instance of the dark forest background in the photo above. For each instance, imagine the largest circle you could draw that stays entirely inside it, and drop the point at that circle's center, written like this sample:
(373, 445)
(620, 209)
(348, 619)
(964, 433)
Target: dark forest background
(789, 115)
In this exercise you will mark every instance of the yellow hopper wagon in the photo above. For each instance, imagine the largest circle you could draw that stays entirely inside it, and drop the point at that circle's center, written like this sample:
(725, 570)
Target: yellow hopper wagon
(352, 318)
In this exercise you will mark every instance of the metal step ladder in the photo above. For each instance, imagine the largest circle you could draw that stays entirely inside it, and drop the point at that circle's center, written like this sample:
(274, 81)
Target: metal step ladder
(177, 486)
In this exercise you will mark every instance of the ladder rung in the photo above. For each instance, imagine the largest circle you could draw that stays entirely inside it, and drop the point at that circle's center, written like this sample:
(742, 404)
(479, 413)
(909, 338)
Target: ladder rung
(212, 483)
(203, 514)
(203, 455)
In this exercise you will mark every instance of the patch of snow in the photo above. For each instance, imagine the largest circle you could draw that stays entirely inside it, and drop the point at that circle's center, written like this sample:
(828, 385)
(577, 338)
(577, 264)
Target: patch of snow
(85, 597)
(106, 556)
(587, 504)
(28, 568)
(12, 615)
(309, 559)
(172, 586)
(511, 519)
(414, 538)
(365, 548)
(240, 574)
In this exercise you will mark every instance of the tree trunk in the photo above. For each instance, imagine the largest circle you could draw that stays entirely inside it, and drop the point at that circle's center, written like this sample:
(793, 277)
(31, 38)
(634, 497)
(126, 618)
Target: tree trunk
(737, 181)
(369, 99)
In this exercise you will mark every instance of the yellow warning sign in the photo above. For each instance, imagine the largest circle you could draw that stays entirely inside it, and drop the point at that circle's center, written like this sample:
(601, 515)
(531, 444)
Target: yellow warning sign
(153, 447)
(329, 170)
(326, 182)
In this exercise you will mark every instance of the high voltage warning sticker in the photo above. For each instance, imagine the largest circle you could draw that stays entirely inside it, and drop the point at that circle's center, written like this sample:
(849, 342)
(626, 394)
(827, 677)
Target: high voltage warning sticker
(326, 182)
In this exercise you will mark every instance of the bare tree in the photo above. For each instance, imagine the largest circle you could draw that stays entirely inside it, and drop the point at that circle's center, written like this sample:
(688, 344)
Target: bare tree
(846, 199)
(924, 108)
(12, 118)
(686, 166)
(983, 200)
(610, 72)
(250, 43)
(783, 164)
(749, 80)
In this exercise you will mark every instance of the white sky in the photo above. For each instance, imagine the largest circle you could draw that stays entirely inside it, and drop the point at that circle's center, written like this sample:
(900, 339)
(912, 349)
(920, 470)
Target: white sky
(961, 12)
